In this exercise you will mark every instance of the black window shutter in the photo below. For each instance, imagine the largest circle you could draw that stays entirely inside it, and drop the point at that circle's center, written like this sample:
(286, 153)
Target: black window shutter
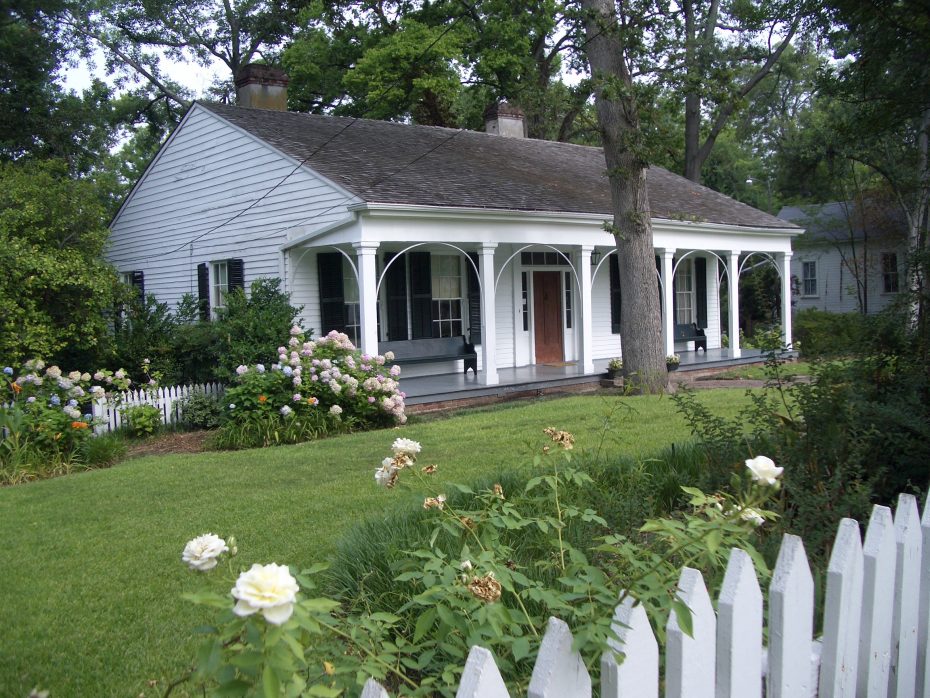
(236, 273)
(614, 294)
(332, 299)
(137, 279)
(395, 285)
(659, 281)
(421, 294)
(474, 300)
(674, 294)
(700, 288)
(203, 290)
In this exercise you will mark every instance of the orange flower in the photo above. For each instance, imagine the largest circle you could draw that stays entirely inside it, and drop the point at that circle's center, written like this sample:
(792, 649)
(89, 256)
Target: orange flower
(312, 401)
(262, 398)
(79, 425)
(16, 387)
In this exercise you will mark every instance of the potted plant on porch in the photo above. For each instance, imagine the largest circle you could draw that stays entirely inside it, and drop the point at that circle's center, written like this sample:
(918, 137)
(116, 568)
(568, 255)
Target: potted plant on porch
(672, 361)
(615, 367)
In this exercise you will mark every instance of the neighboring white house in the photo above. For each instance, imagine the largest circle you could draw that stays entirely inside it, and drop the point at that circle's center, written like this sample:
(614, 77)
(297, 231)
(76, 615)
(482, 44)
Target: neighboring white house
(850, 259)
(397, 232)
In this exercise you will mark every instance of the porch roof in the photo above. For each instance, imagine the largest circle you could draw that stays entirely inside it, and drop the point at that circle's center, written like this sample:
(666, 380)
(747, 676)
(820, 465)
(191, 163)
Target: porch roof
(385, 162)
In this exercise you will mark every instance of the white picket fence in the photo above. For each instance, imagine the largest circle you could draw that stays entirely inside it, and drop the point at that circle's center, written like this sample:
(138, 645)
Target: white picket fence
(874, 641)
(167, 400)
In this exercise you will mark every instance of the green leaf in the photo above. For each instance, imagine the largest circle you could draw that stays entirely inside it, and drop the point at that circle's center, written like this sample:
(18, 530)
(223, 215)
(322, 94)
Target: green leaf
(424, 624)
(271, 686)
(713, 539)
(324, 691)
(520, 648)
(683, 616)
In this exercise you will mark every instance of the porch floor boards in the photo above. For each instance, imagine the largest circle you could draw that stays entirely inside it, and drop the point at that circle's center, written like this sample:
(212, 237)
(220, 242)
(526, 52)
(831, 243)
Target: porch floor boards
(459, 388)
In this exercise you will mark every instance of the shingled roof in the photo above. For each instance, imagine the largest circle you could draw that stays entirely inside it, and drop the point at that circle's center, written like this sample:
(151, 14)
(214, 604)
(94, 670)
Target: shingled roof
(385, 162)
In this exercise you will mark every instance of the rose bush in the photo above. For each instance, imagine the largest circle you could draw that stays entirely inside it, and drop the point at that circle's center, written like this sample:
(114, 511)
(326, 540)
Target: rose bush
(314, 387)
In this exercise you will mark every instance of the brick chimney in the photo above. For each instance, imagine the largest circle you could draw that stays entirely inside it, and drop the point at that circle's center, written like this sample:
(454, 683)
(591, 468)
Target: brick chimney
(262, 87)
(503, 119)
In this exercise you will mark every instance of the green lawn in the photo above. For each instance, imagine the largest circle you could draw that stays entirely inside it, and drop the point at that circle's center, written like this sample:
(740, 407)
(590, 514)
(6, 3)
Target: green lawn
(795, 368)
(90, 564)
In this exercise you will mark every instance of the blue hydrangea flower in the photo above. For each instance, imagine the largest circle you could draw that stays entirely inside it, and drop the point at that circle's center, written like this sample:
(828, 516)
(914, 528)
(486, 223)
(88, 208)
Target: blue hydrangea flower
(88, 417)
(55, 400)
(288, 371)
(72, 403)
(8, 370)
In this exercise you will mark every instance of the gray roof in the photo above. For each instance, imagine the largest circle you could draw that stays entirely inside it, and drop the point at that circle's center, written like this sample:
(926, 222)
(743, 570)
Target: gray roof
(845, 221)
(386, 162)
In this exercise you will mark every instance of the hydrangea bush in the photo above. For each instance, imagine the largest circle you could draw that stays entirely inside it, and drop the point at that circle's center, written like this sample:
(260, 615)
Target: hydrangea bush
(314, 387)
(46, 416)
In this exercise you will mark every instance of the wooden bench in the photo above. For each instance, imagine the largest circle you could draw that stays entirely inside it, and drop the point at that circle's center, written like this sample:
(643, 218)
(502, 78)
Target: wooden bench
(422, 351)
(691, 333)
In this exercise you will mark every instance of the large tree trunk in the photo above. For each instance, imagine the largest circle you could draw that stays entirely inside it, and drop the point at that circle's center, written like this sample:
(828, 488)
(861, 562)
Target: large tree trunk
(618, 117)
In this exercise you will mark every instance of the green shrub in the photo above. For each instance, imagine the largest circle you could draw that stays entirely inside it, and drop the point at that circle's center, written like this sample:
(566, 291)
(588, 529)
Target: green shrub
(104, 450)
(202, 411)
(822, 334)
(142, 420)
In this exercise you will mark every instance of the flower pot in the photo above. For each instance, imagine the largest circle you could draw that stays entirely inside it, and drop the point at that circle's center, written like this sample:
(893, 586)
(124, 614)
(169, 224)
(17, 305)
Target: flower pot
(671, 367)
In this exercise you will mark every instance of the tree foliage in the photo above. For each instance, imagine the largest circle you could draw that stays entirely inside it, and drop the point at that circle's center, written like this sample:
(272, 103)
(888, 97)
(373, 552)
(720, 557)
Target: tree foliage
(56, 290)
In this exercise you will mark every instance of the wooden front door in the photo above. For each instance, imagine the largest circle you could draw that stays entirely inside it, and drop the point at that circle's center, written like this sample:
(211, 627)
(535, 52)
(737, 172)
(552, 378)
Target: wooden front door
(547, 316)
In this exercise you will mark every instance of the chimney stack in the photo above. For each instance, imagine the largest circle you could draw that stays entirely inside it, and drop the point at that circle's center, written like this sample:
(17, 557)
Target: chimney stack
(503, 119)
(262, 87)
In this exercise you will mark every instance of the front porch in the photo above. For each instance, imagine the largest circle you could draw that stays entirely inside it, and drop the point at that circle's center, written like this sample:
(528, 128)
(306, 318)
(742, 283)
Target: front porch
(458, 387)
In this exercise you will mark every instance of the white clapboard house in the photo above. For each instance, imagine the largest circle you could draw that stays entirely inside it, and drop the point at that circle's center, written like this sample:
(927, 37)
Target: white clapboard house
(851, 258)
(400, 233)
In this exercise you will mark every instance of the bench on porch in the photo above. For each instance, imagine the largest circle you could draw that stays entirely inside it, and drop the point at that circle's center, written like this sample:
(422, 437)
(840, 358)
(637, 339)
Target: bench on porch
(422, 351)
(691, 333)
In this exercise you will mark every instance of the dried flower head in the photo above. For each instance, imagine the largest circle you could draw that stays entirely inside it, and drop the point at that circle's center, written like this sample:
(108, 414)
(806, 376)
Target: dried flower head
(562, 438)
(429, 469)
(498, 491)
(467, 522)
(485, 588)
(437, 502)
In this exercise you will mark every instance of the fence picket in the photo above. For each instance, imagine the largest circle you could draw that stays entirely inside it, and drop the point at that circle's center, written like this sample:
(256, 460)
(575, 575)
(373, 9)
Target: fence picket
(638, 674)
(559, 672)
(168, 400)
(481, 678)
(840, 657)
(923, 625)
(739, 630)
(902, 678)
(879, 554)
(791, 620)
(690, 664)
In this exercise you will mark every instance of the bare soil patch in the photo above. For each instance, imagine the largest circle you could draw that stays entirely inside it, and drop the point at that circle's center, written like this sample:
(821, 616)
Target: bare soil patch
(180, 442)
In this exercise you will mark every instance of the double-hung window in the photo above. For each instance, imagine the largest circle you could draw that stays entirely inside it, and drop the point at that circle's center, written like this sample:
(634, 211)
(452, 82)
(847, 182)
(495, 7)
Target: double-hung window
(447, 295)
(219, 285)
(350, 298)
(890, 280)
(684, 293)
(809, 278)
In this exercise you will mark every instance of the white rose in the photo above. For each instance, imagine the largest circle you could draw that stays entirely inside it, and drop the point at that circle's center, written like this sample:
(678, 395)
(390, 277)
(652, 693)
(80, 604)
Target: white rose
(751, 515)
(201, 552)
(764, 470)
(266, 589)
(406, 446)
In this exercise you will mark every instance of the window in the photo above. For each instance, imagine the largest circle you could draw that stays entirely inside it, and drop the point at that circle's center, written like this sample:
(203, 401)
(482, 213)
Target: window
(809, 278)
(890, 281)
(447, 295)
(524, 300)
(568, 300)
(353, 316)
(684, 293)
(543, 259)
(219, 285)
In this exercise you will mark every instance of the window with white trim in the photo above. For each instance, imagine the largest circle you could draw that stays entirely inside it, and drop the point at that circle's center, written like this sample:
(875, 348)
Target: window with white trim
(890, 278)
(220, 285)
(684, 292)
(447, 295)
(809, 278)
(351, 299)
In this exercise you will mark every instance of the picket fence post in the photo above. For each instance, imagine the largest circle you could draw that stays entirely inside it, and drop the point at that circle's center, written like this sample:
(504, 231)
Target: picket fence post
(638, 673)
(902, 682)
(879, 554)
(842, 614)
(739, 630)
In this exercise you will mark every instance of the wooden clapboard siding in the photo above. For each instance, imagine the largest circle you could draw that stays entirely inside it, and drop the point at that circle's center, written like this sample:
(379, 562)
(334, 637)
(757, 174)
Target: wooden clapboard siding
(207, 173)
(606, 343)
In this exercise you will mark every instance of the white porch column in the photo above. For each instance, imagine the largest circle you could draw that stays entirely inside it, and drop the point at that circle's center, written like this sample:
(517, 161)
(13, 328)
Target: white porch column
(488, 315)
(733, 274)
(587, 324)
(668, 294)
(784, 260)
(366, 254)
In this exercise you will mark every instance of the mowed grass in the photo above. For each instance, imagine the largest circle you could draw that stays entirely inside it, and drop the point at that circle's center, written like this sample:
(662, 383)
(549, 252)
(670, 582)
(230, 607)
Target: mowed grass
(755, 372)
(90, 564)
